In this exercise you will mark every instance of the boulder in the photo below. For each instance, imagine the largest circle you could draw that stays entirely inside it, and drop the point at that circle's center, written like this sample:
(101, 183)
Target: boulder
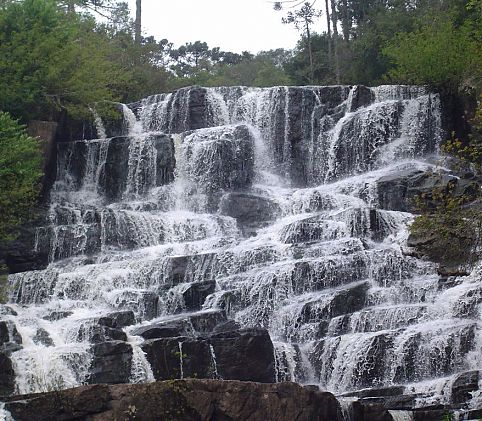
(182, 400)
(118, 319)
(58, 315)
(161, 330)
(195, 294)
(9, 333)
(7, 375)
(111, 363)
(361, 96)
(7, 311)
(463, 386)
(220, 158)
(399, 191)
(245, 354)
(177, 358)
(42, 337)
(249, 209)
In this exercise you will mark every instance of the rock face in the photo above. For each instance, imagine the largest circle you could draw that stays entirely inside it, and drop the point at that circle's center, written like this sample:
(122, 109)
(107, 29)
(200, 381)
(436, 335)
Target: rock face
(233, 355)
(399, 191)
(250, 210)
(189, 400)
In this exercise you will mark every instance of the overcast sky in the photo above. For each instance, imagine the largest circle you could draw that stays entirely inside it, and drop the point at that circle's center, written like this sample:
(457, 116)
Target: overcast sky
(232, 25)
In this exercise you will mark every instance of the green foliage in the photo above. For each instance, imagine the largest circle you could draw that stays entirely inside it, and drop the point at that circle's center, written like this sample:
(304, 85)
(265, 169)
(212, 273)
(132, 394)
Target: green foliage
(438, 53)
(20, 172)
(450, 225)
(51, 61)
(3, 284)
(468, 152)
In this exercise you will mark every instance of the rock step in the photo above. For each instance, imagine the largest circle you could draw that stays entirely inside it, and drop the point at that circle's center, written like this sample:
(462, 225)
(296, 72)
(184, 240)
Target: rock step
(180, 400)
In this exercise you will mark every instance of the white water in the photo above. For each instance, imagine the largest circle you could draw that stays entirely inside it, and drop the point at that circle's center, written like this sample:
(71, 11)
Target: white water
(344, 305)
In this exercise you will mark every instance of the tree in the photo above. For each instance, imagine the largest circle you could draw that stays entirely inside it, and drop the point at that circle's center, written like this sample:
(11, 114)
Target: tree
(138, 27)
(303, 19)
(20, 172)
(52, 62)
(437, 53)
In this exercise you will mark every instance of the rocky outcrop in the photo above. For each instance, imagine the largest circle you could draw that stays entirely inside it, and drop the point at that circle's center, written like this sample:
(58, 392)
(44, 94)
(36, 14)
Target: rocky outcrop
(112, 362)
(408, 190)
(250, 210)
(245, 354)
(188, 400)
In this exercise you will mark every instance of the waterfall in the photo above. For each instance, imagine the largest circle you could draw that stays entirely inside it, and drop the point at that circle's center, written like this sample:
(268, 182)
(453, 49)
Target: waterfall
(258, 207)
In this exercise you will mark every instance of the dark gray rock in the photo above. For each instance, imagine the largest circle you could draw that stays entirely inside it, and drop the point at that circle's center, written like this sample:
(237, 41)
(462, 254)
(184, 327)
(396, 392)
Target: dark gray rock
(42, 337)
(9, 333)
(463, 386)
(235, 355)
(244, 355)
(111, 363)
(195, 294)
(187, 400)
(7, 375)
(58, 315)
(400, 191)
(98, 334)
(249, 209)
(7, 311)
(156, 331)
(361, 97)
(220, 158)
(118, 319)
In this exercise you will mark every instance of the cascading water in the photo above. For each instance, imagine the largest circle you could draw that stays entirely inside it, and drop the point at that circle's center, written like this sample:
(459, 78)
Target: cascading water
(318, 264)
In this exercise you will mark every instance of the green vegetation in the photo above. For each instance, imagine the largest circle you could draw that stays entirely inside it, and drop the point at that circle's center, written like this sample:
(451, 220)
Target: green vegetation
(449, 228)
(20, 172)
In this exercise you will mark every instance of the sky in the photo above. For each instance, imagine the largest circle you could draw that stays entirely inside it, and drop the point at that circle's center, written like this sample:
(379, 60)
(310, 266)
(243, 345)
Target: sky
(232, 25)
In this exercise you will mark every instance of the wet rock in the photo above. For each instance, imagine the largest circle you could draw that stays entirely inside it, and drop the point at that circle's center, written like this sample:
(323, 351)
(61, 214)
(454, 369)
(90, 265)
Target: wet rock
(114, 180)
(176, 358)
(249, 209)
(42, 337)
(58, 315)
(227, 326)
(220, 158)
(235, 355)
(361, 97)
(111, 363)
(244, 355)
(195, 294)
(200, 323)
(7, 311)
(188, 268)
(187, 400)
(205, 322)
(118, 319)
(161, 330)
(463, 386)
(97, 334)
(7, 375)
(9, 333)
(400, 191)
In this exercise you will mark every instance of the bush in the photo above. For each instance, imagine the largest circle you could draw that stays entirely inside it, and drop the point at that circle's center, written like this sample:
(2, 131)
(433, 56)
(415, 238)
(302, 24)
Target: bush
(20, 172)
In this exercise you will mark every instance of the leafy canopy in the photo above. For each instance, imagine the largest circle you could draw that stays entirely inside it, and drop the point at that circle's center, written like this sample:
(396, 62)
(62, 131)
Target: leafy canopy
(20, 172)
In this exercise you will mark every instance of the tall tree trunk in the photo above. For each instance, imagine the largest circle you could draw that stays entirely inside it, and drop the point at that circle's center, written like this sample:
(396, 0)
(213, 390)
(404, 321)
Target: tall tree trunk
(328, 22)
(334, 19)
(310, 53)
(138, 24)
(71, 6)
(346, 21)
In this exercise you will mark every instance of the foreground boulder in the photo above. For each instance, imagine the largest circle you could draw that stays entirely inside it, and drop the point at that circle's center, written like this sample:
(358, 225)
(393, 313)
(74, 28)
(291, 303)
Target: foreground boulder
(188, 400)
